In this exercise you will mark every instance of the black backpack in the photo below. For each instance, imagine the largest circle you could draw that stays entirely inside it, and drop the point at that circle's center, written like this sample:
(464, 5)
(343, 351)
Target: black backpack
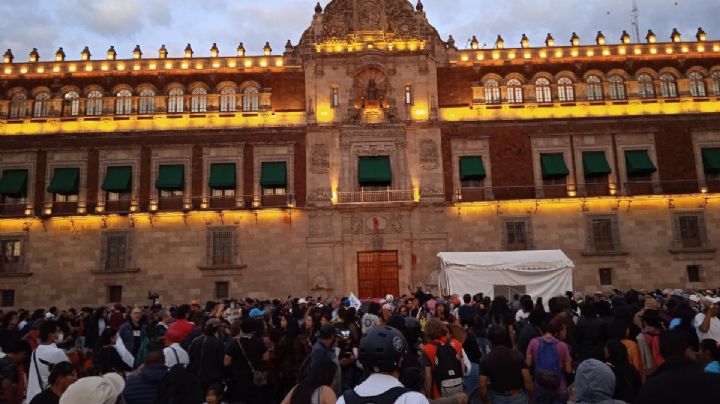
(447, 369)
(388, 397)
(179, 386)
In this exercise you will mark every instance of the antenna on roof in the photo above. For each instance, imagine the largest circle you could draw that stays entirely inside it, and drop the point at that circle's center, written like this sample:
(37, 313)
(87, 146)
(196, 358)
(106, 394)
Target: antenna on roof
(636, 21)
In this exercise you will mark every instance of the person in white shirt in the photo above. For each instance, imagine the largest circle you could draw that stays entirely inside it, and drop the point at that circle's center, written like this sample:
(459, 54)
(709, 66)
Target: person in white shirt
(707, 324)
(381, 353)
(175, 354)
(44, 356)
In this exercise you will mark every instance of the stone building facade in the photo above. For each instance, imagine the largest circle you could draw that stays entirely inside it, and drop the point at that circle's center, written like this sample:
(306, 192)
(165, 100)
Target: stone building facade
(346, 163)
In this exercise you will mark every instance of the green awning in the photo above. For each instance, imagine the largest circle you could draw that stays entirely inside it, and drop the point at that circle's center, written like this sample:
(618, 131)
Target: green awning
(171, 178)
(639, 162)
(472, 168)
(118, 179)
(553, 165)
(273, 174)
(374, 171)
(711, 160)
(65, 181)
(595, 164)
(14, 183)
(222, 176)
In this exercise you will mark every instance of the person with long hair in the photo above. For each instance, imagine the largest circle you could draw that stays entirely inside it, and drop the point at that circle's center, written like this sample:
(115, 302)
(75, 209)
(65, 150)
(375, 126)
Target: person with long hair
(108, 359)
(316, 388)
(627, 378)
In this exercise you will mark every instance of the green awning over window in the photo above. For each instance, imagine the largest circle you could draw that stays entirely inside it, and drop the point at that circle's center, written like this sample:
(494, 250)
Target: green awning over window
(273, 174)
(553, 165)
(14, 183)
(639, 162)
(711, 160)
(65, 181)
(222, 176)
(374, 171)
(472, 168)
(595, 164)
(118, 179)
(171, 178)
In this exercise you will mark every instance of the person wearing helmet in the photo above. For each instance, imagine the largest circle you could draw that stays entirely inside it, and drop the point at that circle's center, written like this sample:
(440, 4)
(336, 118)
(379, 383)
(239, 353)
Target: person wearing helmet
(381, 353)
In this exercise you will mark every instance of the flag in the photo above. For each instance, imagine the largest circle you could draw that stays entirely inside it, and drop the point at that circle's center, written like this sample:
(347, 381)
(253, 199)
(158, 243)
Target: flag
(354, 301)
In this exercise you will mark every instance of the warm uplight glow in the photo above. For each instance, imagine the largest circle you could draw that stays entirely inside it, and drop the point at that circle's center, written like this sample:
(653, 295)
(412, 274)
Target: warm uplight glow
(216, 65)
(168, 65)
(511, 55)
(701, 48)
(152, 66)
(40, 69)
(263, 63)
(543, 54)
(464, 57)
(23, 70)
(653, 51)
(668, 50)
(606, 52)
(496, 55)
(71, 68)
(198, 66)
(638, 51)
(279, 63)
(104, 67)
(248, 63)
(120, 66)
(184, 65)
(559, 53)
(574, 53)
(590, 53)
(88, 68)
(8, 70)
(527, 55)
(136, 67)
(231, 63)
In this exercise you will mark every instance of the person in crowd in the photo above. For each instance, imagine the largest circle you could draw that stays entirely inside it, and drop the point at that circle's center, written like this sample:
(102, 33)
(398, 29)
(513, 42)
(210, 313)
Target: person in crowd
(595, 383)
(132, 333)
(182, 327)
(117, 316)
(649, 341)
(95, 390)
(504, 375)
(350, 322)
(549, 357)
(9, 331)
(707, 322)
(324, 350)
(174, 353)
(163, 324)
(291, 351)
(95, 325)
(61, 377)
(710, 354)
(531, 330)
(521, 315)
(317, 388)
(141, 387)
(443, 314)
(680, 378)
(500, 315)
(206, 355)
(107, 357)
(371, 318)
(215, 394)
(627, 378)
(590, 333)
(46, 355)
(13, 372)
(437, 336)
(245, 356)
(619, 329)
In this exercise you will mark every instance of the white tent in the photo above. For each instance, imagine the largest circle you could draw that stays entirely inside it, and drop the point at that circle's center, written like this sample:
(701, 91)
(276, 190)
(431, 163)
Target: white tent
(545, 273)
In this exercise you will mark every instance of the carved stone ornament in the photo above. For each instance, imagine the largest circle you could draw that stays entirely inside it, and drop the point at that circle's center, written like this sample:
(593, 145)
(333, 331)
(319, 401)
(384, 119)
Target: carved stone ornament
(382, 224)
(320, 195)
(429, 156)
(377, 243)
(319, 158)
(356, 224)
(430, 190)
(321, 224)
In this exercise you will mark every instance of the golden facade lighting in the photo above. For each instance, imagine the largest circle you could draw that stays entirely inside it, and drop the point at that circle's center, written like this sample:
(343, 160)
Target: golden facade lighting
(267, 50)
(85, 54)
(575, 40)
(474, 43)
(464, 57)
(701, 36)
(549, 40)
(524, 41)
(279, 62)
(8, 56)
(56, 69)
(651, 37)
(499, 42)
(34, 55)
(72, 68)
(23, 70)
(120, 66)
(675, 36)
(137, 53)
(104, 67)
(214, 51)
(263, 63)
(625, 38)
(168, 65)
(60, 55)
(248, 63)
(188, 51)
(111, 54)
(163, 53)
(241, 50)
(231, 63)
(600, 38)
(89, 67)
(136, 67)
(40, 69)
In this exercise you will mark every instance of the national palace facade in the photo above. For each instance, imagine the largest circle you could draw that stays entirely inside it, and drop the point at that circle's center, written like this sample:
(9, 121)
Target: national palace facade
(349, 159)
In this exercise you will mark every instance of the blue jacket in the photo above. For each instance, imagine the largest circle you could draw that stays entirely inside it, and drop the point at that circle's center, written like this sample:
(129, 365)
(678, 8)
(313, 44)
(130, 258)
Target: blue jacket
(142, 388)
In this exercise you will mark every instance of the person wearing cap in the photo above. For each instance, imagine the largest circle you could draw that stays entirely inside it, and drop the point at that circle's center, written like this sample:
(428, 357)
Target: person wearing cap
(61, 377)
(94, 390)
(174, 352)
(181, 328)
(707, 323)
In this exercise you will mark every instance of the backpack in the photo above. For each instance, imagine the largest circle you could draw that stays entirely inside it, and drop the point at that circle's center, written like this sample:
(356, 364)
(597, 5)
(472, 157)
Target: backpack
(646, 354)
(180, 386)
(547, 365)
(447, 369)
(388, 397)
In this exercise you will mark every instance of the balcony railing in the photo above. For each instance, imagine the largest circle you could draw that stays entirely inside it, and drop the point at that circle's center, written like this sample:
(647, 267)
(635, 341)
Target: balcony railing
(386, 196)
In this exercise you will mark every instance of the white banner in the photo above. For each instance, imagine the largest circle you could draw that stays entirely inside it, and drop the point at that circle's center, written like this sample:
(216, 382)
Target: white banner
(354, 301)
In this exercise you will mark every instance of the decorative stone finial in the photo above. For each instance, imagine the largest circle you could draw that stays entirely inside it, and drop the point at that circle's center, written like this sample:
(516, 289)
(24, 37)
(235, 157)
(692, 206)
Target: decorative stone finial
(137, 53)
(267, 50)
(651, 37)
(474, 43)
(574, 39)
(318, 8)
(524, 41)
(625, 38)
(701, 35)
(451, 42)
(163, 53)
(214, 51)
(241, 49)
(675, 36)
(288, 46)
(111, 54)
(419, 6)
(8, 56)
(85, 54)
(60, 55)
(549, 40)
(600, 38)
(188, 51)
(499, 42)
(34, 55)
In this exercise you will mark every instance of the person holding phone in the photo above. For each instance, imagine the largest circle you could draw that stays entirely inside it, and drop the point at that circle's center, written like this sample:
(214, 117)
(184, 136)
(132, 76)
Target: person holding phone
(347, 357)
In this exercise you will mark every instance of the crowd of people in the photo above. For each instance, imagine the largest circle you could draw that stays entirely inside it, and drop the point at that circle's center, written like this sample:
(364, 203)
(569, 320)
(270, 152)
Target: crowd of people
(622, 347)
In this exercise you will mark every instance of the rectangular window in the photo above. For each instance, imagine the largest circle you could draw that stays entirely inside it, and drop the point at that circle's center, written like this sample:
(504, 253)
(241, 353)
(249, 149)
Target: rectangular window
(222, 193)
(602, 234)
(114, 293)
(690, 231)
(116, 251)
(10, 255)
(221, 246)
(693, 273)
(517, 234)
(605, 276)
(334, 97)
(222, 290)
(408, 95)
(8, 298)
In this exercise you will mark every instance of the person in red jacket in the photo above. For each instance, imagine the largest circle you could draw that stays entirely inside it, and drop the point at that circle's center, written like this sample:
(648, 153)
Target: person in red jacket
(181, 328)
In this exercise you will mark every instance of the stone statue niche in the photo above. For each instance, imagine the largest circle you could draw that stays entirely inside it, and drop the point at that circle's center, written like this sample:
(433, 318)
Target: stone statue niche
(371, 89)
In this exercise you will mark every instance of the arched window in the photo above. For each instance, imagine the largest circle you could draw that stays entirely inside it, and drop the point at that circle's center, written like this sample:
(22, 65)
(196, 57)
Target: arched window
(617, 88)
(645, 86)
(514, 91)
(668, 86)
(17, 106)
(566, 90)
(41, 107)
(697, 85)
(175, 101)
(72, 103)
(251, 99)
(198, 101)
(594, 88)
(94, 103)
(228, 101)
(492, 92)
(542, 90)
(123, 102)
(715, 77)
(146, 104)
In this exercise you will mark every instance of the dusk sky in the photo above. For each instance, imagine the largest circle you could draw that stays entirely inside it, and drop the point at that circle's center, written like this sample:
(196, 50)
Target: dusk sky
(73, 24)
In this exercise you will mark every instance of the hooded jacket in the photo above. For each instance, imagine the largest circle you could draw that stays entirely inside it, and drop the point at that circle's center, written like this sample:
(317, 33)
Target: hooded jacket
(595, 383)
(142, 388)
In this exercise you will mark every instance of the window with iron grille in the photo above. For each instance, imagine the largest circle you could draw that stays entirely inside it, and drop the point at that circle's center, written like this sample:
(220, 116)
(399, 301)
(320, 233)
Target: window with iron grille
(114, 293)
(116, 249)
(605, 276)
(689, 230)
(602, 235)
(221, 246)
(334, 97)
(516, 234)
(222, 290)
(693, 273)
(11, 255)
(8, 298)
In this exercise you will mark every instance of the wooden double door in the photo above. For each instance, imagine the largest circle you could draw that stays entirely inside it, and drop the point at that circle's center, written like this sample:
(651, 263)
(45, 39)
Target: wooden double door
(378, 274)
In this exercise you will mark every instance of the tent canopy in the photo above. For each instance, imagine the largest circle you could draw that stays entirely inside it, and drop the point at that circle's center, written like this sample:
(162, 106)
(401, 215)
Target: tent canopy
(542, 273)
